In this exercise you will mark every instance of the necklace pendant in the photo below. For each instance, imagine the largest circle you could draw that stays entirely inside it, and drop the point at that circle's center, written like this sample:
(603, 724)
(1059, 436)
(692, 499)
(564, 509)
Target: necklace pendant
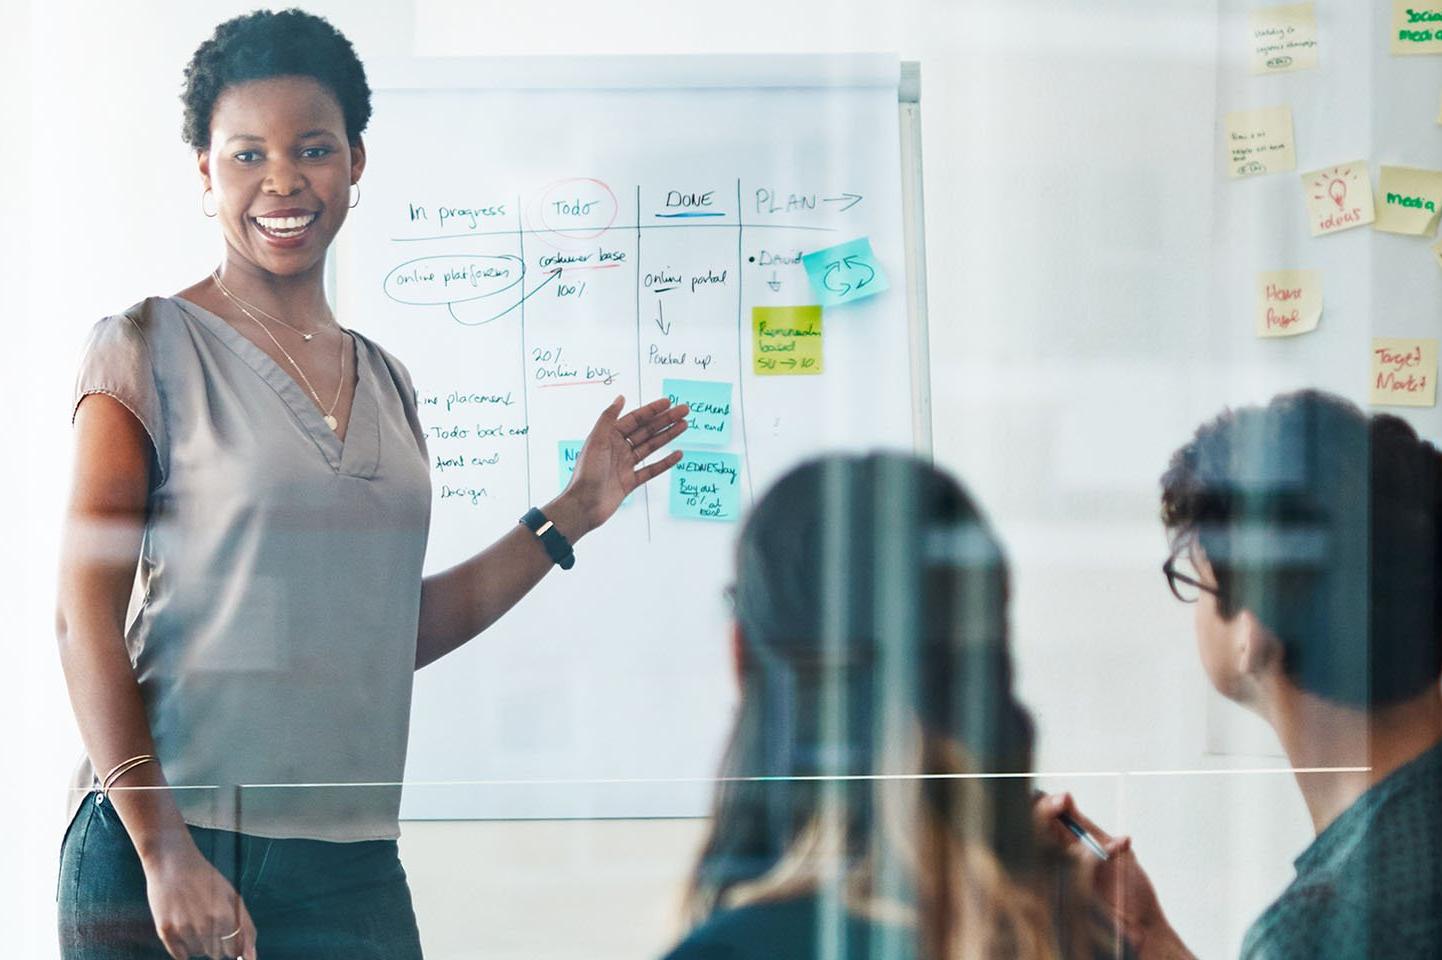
(331, 421)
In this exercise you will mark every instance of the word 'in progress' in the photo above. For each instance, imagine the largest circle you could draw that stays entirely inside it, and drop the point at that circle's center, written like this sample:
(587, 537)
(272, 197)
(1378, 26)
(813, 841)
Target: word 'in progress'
(1284, 38)
(1260, 141)
(1410, 199)
(1404, 372)
(1338, 198)
(709, 422)
(787, 340)
(706, 486)
(845, 272)
(469, 217)
(1289, 302)
(1416, 26)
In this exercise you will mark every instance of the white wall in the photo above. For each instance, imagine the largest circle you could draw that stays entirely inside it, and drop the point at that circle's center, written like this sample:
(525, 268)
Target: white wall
(1069, 170)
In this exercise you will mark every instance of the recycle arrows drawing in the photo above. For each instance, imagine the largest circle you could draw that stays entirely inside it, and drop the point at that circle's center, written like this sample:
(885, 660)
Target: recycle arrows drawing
(851, 264)
(850, 199)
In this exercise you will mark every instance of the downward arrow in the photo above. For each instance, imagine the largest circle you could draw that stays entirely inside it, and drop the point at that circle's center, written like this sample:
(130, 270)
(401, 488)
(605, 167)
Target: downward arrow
(850, 199)
(773, 283)
(660, 320)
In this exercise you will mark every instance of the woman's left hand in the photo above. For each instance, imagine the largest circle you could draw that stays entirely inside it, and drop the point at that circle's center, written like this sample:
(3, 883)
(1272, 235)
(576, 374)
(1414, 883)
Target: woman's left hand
(609, 465)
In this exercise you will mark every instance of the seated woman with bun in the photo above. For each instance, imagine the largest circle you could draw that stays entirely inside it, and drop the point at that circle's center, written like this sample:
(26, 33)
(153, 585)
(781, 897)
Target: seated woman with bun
(875, 685)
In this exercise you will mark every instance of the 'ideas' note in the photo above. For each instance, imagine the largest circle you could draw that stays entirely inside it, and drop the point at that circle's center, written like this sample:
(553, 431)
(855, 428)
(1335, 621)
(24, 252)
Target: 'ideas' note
(1338, 197)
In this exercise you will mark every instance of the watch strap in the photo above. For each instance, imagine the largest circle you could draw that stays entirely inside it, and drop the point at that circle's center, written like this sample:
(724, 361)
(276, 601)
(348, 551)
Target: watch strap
(557, 547)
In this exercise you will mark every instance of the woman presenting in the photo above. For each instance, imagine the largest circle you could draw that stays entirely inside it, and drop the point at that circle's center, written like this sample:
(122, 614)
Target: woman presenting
(266, 468)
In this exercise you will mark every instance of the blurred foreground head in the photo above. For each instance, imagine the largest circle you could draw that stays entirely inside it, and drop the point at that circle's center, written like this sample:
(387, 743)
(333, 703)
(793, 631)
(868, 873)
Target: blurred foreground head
(876, 683)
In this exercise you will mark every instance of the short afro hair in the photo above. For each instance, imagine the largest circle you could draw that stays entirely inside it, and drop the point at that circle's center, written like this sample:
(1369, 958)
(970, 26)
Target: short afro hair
(1326, 524)
(266, 44)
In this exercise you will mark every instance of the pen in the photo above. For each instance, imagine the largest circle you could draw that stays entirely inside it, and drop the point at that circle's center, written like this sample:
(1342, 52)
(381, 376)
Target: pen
(1077, 830)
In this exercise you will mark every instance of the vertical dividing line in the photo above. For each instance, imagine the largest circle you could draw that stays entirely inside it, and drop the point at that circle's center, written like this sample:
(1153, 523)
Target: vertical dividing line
(525, 354)
(742, 332)
(641, 397)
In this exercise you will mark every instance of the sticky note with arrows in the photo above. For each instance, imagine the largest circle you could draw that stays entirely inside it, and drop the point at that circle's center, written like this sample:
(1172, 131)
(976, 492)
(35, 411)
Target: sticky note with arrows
(845, 273)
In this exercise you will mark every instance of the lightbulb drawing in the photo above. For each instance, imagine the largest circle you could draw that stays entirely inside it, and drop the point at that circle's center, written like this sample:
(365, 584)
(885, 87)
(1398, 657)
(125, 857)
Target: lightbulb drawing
(1337, 190)
(1333, 183)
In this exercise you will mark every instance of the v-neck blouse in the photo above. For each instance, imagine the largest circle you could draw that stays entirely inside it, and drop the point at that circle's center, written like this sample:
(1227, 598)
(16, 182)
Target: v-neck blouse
(273, 631)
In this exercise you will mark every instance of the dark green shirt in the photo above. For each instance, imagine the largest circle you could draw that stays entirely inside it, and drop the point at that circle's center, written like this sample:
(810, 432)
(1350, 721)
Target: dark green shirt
(1370, 885)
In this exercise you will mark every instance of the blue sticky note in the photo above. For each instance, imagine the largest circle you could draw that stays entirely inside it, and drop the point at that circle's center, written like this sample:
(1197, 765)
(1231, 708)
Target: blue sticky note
(709, 422)
(706, 486)
(845, 273)
(570, 452)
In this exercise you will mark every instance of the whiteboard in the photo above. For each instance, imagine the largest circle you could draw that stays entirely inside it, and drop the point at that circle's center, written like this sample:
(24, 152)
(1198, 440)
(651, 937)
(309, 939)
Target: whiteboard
(1359, 102)
(674, 194)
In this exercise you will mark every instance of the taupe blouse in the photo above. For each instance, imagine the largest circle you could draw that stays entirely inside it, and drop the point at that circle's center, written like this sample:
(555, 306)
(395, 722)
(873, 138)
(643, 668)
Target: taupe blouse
(274, 631)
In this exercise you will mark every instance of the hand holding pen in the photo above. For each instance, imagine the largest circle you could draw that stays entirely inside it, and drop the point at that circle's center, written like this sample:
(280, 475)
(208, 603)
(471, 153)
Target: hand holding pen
(1117, 877)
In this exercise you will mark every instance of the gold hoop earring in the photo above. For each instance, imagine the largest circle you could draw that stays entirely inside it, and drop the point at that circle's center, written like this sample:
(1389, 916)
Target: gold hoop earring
(356, 202)
(202, 204)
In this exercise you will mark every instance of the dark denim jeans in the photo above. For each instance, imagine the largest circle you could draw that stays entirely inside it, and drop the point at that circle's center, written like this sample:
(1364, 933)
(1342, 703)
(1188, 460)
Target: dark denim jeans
(310, 899)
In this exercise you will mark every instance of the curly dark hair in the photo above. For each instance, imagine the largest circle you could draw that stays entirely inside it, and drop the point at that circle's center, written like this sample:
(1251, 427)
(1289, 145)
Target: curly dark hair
(1326, 524)
(265, 44)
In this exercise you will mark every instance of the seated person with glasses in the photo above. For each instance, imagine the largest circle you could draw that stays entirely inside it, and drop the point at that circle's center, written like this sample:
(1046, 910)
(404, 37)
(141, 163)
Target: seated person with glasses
(852, 816)
(1309, 537)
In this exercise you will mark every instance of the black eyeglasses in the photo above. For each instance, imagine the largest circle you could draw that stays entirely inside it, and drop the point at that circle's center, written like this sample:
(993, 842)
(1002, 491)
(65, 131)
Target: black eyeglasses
(1183, 582)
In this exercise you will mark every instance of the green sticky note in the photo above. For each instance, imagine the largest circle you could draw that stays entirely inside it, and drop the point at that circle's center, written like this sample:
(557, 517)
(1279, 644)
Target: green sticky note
(706, 485)
(709, 422)
(786, 340)
(845, 273)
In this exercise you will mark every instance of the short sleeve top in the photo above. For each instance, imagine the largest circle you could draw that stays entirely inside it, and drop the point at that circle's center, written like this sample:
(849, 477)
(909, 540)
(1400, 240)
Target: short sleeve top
(1370, 885)
(273, 633)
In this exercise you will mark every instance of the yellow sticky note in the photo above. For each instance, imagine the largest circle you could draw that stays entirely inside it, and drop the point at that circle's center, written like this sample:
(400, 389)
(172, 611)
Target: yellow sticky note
(1260, 141)
(787, 340)
(1338, 198)
(1289, 302)
(1416, 26)
(1404, 372)
(1284, 38)
(1437, 254)
(1408, 199)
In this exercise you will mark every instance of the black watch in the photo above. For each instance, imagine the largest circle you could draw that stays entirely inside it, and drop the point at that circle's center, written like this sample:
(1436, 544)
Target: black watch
(557, 546)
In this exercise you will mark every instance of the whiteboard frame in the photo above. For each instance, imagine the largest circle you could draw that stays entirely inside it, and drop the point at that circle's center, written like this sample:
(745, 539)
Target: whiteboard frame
(712, 71)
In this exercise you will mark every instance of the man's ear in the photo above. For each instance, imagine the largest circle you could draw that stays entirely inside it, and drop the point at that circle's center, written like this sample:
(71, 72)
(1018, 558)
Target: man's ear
(1257, 649)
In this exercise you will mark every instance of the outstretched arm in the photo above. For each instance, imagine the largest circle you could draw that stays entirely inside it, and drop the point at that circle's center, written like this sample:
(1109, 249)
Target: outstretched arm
(460, 603)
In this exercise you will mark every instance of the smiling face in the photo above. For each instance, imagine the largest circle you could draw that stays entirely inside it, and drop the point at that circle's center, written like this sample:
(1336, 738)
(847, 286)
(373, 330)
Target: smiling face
(281, 170)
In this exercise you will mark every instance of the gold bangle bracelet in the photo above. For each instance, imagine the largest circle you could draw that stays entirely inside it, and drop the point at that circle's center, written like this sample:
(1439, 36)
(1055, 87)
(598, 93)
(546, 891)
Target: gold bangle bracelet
(120, 770)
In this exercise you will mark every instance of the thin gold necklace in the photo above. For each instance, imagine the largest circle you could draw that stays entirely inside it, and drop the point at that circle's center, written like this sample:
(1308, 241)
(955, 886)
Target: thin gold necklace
(307, 337)
(329, 417)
